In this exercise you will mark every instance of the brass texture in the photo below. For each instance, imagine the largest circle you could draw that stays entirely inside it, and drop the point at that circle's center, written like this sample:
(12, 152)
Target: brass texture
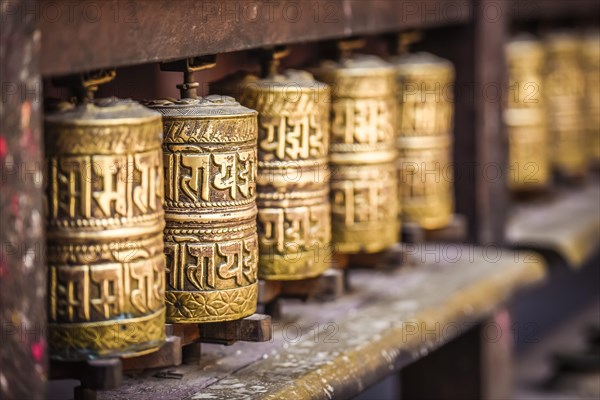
(104, 225)
(292, 190)
(425, 121)
(591, 63)
(525, 115)
(363, 182)
(564, 88)
(210, 237)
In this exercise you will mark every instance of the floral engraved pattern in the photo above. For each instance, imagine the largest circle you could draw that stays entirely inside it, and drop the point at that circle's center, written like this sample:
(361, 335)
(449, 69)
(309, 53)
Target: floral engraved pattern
(220, 305)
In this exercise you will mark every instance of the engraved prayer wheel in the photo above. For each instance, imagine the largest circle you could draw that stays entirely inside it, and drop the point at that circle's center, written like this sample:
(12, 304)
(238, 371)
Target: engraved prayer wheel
(292, 189)
(424, 141)
(363, 184)
(564, 86)
(525, 115)
(104, 230)
(210, 236)
(591, 63)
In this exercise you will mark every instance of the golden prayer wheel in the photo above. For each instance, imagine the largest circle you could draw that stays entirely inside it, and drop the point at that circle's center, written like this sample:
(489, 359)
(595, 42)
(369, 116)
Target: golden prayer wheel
(210, 237)
(525, 115)
(591, 63)
(104, 228)
(564, 87)
(363, 184)
(424, 141)
(292, 189)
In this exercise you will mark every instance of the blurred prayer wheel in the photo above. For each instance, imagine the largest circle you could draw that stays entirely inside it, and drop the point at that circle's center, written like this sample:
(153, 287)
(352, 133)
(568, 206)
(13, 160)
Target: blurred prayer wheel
(104, 228)
(525, 115)
(591, 63)
(424, 141)
(210, 203)
(564, 87)
(363, 130)
(292, 189)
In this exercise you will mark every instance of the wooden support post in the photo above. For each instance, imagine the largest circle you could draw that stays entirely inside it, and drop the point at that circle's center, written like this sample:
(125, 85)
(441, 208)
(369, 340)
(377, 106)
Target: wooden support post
(189, 333)
(255, 328)
(83, 393)
(192, 353)
(23, 364)
(476, 365)
(268, 291)
(168, 355)
(391, 259)
(412, 233)
(101, 374)
(454, 232)
(326, 287)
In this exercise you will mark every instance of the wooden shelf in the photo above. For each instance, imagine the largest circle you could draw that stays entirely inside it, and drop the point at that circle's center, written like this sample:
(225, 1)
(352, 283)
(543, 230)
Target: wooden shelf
(389, 320)
(567, 225)
(524, 10)
(90, 35)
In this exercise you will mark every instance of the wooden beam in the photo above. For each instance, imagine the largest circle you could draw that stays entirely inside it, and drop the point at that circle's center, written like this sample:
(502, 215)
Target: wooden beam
(78, 36)
(476, 365)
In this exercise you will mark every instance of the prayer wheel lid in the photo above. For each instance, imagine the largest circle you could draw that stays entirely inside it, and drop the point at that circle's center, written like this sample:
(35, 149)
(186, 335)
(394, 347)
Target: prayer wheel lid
(419, 60)
(209, 106)
(110, 110)
(359, 64)
(286, 80)
(525, 37)
(562, 40)
(525, 44)
(292, 76)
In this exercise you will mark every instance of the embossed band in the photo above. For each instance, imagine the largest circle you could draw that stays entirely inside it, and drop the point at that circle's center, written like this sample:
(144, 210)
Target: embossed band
(425, 115)
(364, 201)
(591, 61)
(210, 209)
(292, 190)
(529, 158)
(364, 213)
(105, 253)
(210, 306)
(564, 88)
(125, 337)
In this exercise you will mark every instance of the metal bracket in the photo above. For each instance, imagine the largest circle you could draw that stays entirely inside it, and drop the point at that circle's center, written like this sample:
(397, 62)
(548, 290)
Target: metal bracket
(188, 66)
(270, 58)
(347, 46)
(86, 84)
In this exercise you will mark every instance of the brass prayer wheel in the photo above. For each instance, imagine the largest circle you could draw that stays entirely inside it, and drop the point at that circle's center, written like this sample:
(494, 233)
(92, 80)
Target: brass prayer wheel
(591, 63)
(525, 115)
(564, 86)
(363, 184)
(292, 189)
(104, 229)
(424, 141)
(210, 236)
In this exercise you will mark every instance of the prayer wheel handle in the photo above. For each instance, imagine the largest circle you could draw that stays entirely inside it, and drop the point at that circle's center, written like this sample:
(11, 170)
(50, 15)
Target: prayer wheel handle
(188, 89)
(398, 44)
(85, 85)
(346, 47)
(270, 59)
